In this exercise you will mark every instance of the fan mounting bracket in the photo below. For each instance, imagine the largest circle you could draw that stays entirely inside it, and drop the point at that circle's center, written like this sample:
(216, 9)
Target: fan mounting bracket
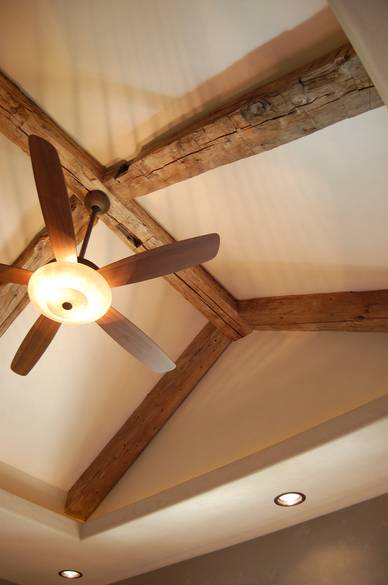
(97, 201)
(87, 263)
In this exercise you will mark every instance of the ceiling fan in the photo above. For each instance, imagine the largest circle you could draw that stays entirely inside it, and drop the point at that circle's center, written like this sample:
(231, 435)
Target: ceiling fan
(72, 289)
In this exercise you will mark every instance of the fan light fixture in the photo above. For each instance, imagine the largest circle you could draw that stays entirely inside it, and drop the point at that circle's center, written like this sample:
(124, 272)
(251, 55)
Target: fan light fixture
(72, 289)
(70, 574)
(289, 499)
(69, 293)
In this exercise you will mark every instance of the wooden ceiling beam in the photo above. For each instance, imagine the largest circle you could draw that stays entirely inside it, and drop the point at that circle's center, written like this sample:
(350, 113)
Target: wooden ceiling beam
(322, 93)
(317, 95)
(327, 91)
(20, 117)
(141, 232)
(13, 297)
(144, 423)
(365, 311)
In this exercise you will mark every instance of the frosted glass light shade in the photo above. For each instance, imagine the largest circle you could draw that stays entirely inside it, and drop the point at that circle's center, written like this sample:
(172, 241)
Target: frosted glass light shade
(69, 293)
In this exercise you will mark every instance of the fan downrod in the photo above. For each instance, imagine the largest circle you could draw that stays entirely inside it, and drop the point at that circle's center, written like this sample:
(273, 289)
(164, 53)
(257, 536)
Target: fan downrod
(98, 203)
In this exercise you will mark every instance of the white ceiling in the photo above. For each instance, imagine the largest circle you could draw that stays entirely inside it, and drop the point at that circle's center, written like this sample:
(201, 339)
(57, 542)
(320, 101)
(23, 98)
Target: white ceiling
(263, 390)
(115, 73)
(53, 422)
(229, 505)
(309, 216)
(72, 395)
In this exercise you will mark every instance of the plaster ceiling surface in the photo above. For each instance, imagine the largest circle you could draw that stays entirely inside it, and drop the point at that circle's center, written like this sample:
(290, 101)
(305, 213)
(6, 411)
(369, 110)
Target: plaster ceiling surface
(116, 73)
(229, 505)
(54, 421)
(264, 389)
(309, 216)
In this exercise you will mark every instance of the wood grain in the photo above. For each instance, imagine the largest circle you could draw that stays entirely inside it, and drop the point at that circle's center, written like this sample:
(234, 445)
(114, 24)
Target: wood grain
(144, 423)
(20, 117)
(141, 232)
(317, 95)
(53, 197)
(325, 92)
(162, 260)
(135, 341)
(13, 297)
(34, 345)
(13, 274)
(343, 311)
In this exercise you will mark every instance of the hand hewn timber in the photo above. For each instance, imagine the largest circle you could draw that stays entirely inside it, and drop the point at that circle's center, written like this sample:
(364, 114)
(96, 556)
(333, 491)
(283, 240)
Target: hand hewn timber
(144, 423)
(327, 91)
(13, 297)
(20, 117)
(324, 92)
(342, 311)
(141, 232)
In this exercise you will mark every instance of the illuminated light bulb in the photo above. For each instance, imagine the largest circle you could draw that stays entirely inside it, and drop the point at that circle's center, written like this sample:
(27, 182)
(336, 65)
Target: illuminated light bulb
(70, 574)
(69, 293)
(290, 499)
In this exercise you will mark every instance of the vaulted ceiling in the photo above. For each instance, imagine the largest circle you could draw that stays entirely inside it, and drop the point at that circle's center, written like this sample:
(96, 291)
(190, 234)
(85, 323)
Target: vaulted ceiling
(278, 407)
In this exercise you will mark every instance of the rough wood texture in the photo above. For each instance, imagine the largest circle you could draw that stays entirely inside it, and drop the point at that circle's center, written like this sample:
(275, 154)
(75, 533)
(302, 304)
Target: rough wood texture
(144, 423)
(13, 297)
(328, 90)
(21, 117)
(141, 232)
(343, 311)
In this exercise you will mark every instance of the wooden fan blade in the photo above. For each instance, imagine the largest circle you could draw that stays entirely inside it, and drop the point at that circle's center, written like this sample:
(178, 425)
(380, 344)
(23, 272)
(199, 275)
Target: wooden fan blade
(14, 274)
(34, 345)
(135, 341)
(161, 261)
(53, 198)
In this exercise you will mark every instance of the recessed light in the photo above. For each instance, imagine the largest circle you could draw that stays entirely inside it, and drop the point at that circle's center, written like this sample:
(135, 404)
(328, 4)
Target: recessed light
(289, 499)
(70, 574)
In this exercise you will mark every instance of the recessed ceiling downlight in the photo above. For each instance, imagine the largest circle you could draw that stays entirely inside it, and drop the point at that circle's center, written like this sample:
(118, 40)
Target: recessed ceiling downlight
(289, 499)
(70, 574)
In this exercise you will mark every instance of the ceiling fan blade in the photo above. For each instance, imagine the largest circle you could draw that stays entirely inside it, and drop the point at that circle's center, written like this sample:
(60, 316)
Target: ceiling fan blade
(135, 341)
(14, 274)
(34, 345)
(161, 261)
(53, 198)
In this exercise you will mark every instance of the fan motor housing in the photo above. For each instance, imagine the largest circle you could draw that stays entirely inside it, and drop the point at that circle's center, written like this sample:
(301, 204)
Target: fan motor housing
(97, 201)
